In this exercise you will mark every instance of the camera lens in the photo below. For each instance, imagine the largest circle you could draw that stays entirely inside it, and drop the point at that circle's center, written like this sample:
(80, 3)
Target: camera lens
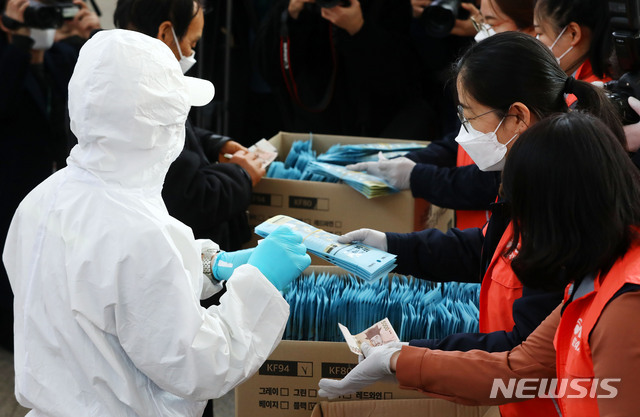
(440, 17)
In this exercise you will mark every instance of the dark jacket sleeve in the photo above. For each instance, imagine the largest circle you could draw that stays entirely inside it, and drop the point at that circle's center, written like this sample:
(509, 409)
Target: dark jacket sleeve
(212, 143)
(14, 64)
(528, 312)
(436, 178)
(437, 256)
(205, 195)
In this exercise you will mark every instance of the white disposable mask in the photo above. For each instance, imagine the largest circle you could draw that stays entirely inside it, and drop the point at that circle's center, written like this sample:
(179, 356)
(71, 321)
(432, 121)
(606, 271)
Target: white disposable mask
(186, 62)
(43, 38)
(484, 148)
(485, 32)
(558, 58)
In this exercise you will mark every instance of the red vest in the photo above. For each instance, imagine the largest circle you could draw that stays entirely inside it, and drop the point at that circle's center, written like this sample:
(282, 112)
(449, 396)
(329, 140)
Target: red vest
(466, 219)
(573, 353)
(500, 288)
(585, 73)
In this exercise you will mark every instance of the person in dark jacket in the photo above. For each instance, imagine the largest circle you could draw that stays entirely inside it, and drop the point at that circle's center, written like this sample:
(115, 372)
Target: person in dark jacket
(344, 68)
(205, 189)
(35, 69)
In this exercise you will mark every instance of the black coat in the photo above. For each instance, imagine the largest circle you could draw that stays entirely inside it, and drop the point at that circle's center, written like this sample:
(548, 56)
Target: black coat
(377, 89)
(210, 197)
(32, 126)
(464, 255)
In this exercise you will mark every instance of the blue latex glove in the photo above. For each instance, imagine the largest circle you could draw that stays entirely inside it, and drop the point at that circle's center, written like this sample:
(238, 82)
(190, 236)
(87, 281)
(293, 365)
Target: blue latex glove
(281, 257)
(226, 262)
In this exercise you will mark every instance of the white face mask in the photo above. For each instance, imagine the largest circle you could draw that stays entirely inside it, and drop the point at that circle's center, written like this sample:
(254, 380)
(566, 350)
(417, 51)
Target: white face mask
(186, 62)
(484, 148)
(558, 58)
(485, 32)
(43, 38)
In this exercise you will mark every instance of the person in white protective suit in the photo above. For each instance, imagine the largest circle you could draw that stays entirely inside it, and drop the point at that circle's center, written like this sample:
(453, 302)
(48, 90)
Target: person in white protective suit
(107, 284)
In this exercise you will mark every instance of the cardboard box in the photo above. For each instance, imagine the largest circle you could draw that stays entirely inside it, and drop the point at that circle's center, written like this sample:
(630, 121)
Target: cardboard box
(287, 383)
(336, 208)
(426, 407)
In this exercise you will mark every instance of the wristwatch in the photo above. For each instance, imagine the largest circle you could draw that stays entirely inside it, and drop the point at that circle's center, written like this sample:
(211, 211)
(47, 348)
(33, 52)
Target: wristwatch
(208, 257)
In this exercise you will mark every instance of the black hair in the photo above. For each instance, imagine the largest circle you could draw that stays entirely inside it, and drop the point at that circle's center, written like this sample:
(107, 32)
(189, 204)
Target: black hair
(520, 11)
(593, 14)
(575, 199)
(146, 15)
(511, 66)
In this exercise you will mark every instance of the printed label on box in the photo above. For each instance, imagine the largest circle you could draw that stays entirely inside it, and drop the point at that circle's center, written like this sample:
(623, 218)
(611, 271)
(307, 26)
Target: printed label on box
(286, 368)
(263, 199)
(308, 203)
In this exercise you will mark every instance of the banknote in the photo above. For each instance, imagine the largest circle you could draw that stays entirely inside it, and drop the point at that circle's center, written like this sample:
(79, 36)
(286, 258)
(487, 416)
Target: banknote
(377, 335)
(265, 151)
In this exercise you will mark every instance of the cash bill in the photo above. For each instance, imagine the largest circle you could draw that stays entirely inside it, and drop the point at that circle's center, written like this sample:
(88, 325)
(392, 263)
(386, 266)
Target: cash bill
(377, 335)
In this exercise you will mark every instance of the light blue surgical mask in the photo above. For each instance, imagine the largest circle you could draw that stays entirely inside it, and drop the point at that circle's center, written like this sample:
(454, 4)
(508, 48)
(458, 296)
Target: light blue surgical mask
(186, 62)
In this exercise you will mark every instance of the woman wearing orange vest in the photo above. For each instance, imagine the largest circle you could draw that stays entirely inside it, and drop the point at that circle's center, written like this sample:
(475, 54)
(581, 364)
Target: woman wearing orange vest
(495, 112)
(443, 173)
(578, 34)
(575, 202)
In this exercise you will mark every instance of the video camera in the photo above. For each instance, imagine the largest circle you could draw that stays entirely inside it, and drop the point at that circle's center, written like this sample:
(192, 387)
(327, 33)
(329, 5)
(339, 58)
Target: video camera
(440, 16)
(625, 27)
(49, 15)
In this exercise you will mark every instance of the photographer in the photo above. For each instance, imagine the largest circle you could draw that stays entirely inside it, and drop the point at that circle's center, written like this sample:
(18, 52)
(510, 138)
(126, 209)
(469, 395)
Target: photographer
(34, 73)
(344, 67)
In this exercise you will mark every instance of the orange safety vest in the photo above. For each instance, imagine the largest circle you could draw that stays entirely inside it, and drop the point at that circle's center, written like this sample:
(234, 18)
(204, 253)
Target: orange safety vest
(573, 353)
(585, 73)
(499, 290)
(467, 219)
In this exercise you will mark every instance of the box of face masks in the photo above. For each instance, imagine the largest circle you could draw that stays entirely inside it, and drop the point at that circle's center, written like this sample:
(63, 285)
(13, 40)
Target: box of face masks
(287, 386)
(287, 383)
(333, 207)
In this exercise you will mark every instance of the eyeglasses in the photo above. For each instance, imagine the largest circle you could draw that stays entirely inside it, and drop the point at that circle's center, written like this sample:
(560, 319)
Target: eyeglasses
(466, 121)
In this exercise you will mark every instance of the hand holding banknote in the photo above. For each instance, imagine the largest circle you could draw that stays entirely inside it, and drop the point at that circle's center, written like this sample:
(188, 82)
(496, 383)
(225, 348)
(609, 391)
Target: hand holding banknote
(374, 367)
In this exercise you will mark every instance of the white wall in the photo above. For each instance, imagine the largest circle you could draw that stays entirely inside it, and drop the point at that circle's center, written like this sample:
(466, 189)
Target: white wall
(106, 7)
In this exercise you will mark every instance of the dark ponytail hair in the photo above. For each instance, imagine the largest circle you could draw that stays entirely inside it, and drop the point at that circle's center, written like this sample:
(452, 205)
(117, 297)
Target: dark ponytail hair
(146, 15)
(520, 11)
(511, 66)
(575, 198)
(593, 14)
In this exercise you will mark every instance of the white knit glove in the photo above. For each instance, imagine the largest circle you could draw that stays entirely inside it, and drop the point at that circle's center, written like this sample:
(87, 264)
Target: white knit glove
(369, 237)
(396, 171)
(374, 367)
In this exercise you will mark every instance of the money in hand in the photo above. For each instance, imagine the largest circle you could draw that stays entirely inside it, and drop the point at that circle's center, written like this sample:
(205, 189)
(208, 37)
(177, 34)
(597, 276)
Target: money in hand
(377, 335)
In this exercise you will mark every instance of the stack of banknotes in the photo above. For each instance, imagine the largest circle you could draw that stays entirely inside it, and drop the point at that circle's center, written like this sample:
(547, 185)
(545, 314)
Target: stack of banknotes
(361, 260)
(416, 309)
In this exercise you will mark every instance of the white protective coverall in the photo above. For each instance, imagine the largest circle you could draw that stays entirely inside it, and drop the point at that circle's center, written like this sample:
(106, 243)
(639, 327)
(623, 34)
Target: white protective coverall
(107, 284)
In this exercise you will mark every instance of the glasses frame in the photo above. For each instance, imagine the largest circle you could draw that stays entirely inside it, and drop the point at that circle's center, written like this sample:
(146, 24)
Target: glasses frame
(464, 121)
